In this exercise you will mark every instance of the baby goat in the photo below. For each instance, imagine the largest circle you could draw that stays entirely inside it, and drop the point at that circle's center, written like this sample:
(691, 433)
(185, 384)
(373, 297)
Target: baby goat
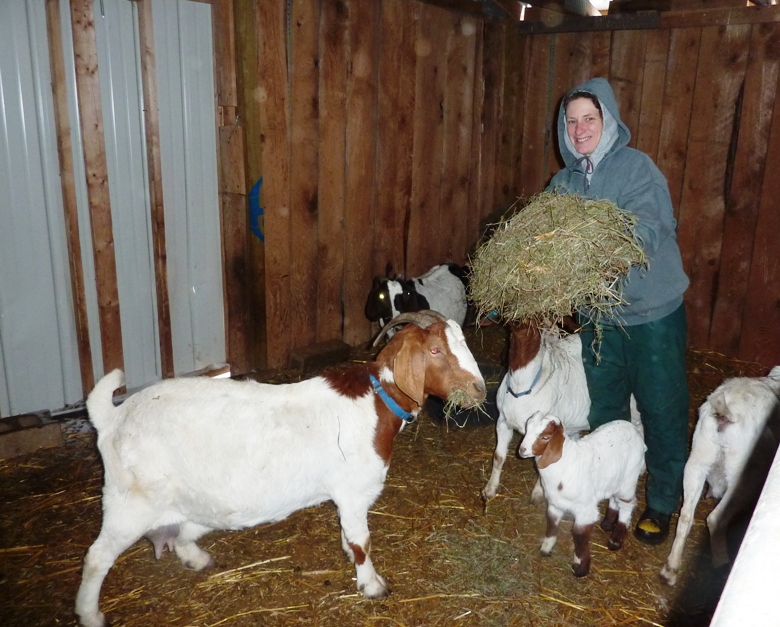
(187, 456)
(545, 374)
(442, 289)
(734, 444)
(577, 475)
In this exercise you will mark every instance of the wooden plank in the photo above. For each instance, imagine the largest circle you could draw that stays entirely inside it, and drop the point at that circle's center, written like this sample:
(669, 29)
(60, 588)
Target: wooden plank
(68, 184)
(747, 165)
(494, 38)
(407, 102)
(395, 135)
(274, 111)
(508, 123)
(536, 136)
(677, 102)
(304, 93)
(233, 201)
(360, 157)
(759, 339)
(720, 17)
(626, 73)
(566, 58)
(601, 46)
(720, 73)
(476, 192)
(651, 108)
(431, 50)
(332, 169)
(88, 88)
(558, 23)
(247, 90)
(156, 202)
(519, 68)
(224, 50)
(458, 120)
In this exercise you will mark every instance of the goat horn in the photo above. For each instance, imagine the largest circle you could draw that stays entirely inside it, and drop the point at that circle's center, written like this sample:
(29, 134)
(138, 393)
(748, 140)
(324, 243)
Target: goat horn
(423, 319)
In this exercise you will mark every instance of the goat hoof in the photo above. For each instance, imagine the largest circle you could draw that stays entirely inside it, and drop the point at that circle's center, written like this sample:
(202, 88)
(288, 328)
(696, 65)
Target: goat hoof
(376, 590)
(668, 575)
(614, 545)
(580, 570)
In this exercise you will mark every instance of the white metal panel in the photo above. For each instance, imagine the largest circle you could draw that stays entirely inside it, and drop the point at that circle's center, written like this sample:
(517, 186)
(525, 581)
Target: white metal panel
(119, 68)
(749, 595)
(188, 146)
(38, 352)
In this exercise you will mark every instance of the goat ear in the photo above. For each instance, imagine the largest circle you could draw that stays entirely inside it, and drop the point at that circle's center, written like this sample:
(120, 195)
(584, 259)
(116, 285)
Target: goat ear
(389, 269)
(554, 449)
(409, 371)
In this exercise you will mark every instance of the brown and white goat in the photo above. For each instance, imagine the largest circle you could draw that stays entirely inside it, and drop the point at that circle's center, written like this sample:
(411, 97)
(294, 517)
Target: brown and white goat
(190, 455)
(545, 375)
(733, 446)
(576, 475)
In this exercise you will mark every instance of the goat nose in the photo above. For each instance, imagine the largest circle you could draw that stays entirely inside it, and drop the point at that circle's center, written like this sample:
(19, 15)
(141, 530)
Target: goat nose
(480, 390)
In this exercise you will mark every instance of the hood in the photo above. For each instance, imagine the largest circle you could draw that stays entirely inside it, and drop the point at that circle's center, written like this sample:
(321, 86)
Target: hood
(615, 134)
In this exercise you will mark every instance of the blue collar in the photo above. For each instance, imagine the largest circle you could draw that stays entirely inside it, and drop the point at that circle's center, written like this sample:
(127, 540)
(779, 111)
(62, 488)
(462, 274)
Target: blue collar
(388, 400)
(529, 390)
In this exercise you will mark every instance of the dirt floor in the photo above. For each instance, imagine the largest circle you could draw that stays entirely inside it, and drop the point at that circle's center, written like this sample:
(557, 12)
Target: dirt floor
(448, 560)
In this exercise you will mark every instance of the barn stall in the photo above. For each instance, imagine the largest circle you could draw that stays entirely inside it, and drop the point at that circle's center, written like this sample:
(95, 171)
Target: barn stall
(205, 186)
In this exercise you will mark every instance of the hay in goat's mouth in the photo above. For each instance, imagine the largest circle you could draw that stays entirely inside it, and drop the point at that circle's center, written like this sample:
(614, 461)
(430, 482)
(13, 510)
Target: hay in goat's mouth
(560, 253)
(460, 398)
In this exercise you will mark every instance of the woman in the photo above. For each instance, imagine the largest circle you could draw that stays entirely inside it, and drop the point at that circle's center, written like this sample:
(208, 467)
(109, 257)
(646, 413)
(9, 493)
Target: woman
(641, 348)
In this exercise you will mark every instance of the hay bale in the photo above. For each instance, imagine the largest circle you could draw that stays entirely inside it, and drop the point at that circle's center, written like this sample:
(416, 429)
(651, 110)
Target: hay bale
(560, 253)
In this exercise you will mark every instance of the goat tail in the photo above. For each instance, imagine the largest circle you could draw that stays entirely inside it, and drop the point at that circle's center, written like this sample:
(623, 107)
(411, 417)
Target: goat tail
(100, 404)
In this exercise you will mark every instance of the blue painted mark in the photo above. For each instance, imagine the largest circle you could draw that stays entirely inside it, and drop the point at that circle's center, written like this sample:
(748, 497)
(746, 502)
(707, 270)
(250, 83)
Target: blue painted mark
(256, 213)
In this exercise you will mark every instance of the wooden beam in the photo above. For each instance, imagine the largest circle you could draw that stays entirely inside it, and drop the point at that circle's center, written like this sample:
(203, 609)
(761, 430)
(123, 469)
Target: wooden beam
(96, 168)
(68, 182)
(154, 163)
(559, 23)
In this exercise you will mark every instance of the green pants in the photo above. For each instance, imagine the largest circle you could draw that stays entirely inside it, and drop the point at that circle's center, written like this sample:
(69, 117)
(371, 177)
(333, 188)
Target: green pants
(647, 360)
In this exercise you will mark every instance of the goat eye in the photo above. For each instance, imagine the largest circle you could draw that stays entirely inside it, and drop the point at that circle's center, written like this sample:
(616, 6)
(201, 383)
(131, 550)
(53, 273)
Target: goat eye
(435, 351)
(381, 297)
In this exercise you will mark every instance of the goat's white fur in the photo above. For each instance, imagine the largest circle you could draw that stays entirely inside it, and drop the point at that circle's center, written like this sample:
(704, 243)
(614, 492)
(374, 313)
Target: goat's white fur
(736, 436)
(604, 464)
(443, 290)
(561, 390)
(187, 456)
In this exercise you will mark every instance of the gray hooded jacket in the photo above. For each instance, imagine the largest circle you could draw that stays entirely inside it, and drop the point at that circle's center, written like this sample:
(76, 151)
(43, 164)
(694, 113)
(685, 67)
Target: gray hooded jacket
(631, 180)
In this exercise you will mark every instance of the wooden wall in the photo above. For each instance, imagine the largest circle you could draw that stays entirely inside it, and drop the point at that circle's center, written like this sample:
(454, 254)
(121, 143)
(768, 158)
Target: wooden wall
(366, 121)
(386, 132)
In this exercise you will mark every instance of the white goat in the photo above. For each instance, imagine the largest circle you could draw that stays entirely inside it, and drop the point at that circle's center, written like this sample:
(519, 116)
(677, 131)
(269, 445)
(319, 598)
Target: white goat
(733, 446)
(188, 456)
(545, 374)
(576, 475)
(441, 289)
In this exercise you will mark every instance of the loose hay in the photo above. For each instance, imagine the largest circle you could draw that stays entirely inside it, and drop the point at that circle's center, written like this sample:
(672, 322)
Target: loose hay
(559, 253)
(447, 561)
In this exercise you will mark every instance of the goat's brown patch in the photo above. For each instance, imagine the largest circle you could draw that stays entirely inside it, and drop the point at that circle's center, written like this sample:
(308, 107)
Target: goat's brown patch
(360, 554)
(581, 535)
(387, 426)
(524, 344)
(549, 450)
(352, 381)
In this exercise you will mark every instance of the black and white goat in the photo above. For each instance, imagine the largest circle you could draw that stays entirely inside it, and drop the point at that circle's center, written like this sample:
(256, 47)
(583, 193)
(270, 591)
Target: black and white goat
(733, 446)
(190, 455)
(441, 289)
(576, 475)
(545, 374)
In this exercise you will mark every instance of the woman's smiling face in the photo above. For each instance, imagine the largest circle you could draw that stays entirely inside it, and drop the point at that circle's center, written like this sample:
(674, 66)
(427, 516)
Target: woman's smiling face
(584, 125)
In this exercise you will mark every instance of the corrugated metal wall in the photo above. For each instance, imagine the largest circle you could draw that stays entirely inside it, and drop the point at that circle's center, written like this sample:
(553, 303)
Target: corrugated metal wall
(38, 356)
(39, 365)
